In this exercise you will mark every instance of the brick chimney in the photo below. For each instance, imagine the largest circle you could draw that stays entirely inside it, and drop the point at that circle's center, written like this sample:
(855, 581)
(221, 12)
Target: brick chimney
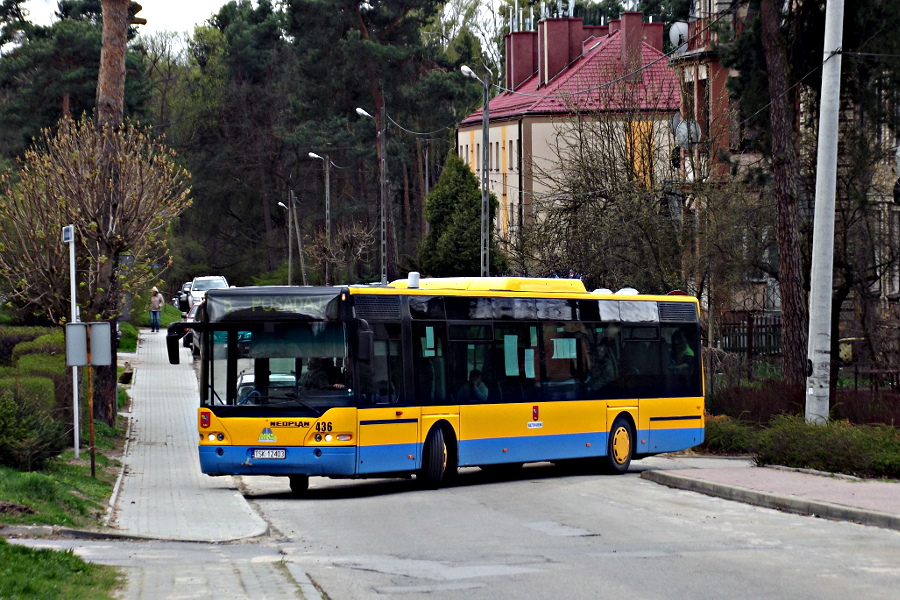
(521, 57)
(632, 41)
(553, 48)
(653, 35)
(597, 31)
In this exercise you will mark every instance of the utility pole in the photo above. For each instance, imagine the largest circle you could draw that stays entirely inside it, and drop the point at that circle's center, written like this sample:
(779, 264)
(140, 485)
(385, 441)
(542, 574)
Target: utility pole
(485, 181)
(384, 192)
(819, 352)
(293, 200)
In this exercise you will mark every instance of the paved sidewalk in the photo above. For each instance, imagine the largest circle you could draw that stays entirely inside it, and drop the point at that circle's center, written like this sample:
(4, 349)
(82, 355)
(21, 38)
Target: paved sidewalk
(835, 497)
(163, 494)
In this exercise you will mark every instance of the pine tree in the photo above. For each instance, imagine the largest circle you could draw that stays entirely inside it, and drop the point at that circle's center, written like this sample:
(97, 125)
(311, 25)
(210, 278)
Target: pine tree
(453, 208)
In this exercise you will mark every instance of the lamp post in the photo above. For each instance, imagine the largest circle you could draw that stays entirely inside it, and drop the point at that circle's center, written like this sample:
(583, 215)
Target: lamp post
(290, 252)
(328, 268)
(485, 162)
(382, 148)
(299, 239)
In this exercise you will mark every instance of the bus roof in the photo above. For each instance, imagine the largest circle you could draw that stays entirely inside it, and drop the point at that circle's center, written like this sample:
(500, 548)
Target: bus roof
(498, 284)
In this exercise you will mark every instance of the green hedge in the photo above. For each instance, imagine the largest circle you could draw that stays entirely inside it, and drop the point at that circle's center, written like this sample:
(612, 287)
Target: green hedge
(10, 337)
(725, 435)
(50, 364)
(838, 447)
(50, 343)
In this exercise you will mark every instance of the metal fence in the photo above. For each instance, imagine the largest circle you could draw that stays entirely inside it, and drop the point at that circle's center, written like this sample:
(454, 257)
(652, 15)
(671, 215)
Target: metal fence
(751, 334)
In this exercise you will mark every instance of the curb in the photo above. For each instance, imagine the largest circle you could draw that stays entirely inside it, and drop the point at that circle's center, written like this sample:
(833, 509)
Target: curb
(55, 531)
(792, 504)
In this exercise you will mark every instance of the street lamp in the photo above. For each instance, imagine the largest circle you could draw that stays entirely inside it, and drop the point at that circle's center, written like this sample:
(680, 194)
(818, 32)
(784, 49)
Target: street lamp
(328, 267)
(485, 161)
(290, 252)
(382, 159)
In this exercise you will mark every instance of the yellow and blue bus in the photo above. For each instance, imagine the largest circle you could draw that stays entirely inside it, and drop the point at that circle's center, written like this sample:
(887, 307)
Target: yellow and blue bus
(426, 376)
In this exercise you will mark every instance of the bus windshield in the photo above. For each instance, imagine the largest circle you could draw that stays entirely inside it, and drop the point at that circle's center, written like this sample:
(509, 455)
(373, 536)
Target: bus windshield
(301, 365)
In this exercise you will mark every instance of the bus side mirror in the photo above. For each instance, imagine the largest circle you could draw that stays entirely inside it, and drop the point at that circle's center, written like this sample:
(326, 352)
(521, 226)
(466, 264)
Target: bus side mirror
(172, 342)
(365, 343)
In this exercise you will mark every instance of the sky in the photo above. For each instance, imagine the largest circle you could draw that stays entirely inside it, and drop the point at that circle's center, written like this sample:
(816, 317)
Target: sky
(162, 15)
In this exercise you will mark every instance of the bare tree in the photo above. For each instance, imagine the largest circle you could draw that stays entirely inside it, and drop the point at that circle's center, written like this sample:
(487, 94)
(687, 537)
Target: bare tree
(625, 203)
(60, 183)
(351, 245)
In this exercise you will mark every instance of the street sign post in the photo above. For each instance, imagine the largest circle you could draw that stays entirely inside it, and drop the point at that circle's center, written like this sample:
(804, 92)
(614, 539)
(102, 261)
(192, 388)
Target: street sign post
(89, 345)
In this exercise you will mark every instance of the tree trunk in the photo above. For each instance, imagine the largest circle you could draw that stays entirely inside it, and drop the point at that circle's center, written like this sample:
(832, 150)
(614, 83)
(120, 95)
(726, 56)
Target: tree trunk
(111, 78)
(110, 114)
(784, 170)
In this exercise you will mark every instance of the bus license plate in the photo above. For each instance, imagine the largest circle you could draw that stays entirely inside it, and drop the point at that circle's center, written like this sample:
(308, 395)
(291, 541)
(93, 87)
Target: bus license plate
(268, 454)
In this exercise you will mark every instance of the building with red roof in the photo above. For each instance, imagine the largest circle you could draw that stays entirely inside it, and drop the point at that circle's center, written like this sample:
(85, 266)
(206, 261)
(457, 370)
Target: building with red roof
(562, 73)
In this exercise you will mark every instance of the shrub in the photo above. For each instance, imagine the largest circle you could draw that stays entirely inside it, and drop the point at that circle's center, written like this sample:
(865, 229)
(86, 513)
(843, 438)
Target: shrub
(37, 391)
(10, 337)
(725, 435)
(838, 447)
(51, 343)
(28, 437)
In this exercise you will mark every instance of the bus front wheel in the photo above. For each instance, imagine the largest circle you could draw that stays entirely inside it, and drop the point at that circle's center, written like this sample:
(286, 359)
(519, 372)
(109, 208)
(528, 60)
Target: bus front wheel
(619, 447)
(434, 463)
(299, 484)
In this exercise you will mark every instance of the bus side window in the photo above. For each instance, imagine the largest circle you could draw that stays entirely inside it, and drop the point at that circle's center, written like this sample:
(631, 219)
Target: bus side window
(682, 360)
(642, 361)
(381, 380)
(517, 356)
(467, 356)
(429, 362)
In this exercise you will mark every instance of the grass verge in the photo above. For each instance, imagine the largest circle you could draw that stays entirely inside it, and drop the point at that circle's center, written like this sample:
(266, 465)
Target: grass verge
(52, 575)
(64, 494)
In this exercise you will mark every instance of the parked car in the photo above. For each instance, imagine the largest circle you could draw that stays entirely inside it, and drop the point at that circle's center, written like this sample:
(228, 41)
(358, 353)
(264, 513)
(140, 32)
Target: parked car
(201, 285)
(179, 300)
(281, 385)
(188, 340)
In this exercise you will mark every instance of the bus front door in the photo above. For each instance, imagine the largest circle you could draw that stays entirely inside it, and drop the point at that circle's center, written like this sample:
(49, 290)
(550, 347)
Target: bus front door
(388, 439)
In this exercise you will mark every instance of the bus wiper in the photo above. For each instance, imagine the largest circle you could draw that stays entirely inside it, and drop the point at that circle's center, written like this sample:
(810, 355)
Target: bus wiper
(216, 396)
(296, 400)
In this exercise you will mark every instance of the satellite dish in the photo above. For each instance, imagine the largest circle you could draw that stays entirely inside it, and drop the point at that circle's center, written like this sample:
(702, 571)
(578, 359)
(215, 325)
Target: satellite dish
(687, 134)
(678, 35)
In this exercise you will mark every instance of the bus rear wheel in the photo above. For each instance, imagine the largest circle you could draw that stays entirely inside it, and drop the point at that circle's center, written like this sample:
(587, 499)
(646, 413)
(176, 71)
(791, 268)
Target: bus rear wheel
(434, 463)
(299, 484)
(619, 447)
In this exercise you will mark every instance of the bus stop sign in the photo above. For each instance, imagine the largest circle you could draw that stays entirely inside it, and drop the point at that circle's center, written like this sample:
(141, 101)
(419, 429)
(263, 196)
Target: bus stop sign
(88, 338)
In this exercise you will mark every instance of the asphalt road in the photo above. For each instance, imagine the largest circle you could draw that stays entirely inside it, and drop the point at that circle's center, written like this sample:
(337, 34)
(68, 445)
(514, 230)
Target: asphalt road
(543, 533)
(539, 533)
